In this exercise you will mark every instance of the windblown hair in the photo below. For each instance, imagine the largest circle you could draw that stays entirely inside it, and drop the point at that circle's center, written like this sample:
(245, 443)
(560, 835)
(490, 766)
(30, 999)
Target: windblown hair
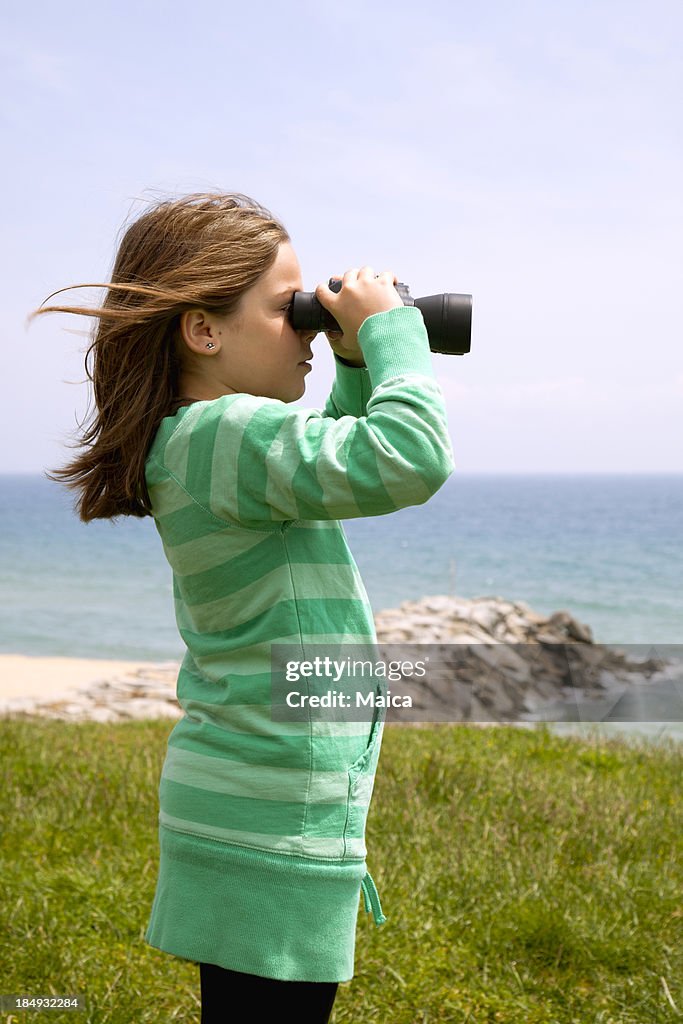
(201, 251)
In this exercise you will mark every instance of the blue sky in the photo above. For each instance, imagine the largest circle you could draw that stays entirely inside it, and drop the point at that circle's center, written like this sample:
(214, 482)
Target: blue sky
(528, 153)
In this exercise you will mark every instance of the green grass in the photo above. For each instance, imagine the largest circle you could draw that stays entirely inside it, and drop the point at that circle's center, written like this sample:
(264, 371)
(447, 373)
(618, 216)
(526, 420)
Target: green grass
(525, 877)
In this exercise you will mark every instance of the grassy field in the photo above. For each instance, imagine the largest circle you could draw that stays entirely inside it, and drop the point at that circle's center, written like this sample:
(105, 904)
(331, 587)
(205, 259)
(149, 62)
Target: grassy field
(525, 878)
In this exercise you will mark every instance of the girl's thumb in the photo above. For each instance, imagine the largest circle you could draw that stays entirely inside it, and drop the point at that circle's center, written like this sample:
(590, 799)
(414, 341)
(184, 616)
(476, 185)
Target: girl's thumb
(324, 294)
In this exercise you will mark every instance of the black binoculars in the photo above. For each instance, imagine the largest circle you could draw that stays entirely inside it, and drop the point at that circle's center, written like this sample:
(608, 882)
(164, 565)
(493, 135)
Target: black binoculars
(447, 317)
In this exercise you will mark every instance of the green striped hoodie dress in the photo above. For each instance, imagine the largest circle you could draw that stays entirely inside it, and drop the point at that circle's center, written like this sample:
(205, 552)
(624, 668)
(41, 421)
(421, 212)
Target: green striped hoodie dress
(262, 822)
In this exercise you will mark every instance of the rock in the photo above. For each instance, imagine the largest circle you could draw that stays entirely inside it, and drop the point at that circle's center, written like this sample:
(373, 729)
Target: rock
(498, 658)
(103, 715)
(547, 638)
(486, 616)
(573, 629)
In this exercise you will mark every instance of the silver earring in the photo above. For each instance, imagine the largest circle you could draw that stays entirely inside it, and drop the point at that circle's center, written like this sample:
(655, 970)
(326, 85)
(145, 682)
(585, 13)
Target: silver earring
(210, 344)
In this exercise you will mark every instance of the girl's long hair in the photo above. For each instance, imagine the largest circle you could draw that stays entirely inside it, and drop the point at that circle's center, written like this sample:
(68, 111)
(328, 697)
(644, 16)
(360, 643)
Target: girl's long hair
(200, 251)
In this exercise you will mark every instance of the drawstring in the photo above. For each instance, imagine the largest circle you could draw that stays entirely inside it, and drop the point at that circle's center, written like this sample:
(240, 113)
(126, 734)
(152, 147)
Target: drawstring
(371, 899)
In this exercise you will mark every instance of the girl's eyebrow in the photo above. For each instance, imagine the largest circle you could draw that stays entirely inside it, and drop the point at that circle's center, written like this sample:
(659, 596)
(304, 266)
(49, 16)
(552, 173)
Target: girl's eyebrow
(286, 292)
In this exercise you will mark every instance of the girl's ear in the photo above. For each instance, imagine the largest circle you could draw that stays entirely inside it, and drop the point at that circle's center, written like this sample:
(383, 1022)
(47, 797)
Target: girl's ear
(197, 331)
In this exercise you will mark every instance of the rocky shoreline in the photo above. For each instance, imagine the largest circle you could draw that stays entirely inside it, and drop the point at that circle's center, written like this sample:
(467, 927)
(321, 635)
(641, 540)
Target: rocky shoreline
(490, 660)
(493, 660)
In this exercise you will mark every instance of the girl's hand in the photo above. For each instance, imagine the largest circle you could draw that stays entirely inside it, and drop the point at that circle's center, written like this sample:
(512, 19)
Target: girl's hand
(362, 294)
(347, 349)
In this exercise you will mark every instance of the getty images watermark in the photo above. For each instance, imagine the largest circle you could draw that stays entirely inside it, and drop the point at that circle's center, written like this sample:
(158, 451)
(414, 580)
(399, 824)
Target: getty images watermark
(478, 682)
(348, 682)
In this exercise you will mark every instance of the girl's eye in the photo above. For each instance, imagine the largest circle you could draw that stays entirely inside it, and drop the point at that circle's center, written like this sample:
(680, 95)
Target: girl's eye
(287, 307)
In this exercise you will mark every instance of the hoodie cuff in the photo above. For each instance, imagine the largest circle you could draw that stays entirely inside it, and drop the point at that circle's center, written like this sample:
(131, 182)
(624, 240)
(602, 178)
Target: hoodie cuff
(395, 343)
(352, 388)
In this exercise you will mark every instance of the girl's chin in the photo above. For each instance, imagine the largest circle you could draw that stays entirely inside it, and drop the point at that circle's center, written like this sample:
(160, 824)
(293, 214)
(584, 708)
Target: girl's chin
(295, 395)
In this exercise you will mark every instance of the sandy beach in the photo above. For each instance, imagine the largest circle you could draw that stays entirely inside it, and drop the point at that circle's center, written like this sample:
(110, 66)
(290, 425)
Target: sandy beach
(54, 677)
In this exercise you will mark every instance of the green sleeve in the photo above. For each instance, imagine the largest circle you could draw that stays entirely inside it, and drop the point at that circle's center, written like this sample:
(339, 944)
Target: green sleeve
(350, 392)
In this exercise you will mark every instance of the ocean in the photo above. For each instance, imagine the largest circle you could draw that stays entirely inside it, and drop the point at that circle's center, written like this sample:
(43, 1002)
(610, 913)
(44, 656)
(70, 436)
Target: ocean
(606, 548)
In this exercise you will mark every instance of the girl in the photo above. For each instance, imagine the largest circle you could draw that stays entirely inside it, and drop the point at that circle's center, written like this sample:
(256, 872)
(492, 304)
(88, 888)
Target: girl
(195, 362)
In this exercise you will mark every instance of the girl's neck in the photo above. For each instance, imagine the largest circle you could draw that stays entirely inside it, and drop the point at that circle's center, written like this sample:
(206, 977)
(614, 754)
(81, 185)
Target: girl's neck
(177, 403)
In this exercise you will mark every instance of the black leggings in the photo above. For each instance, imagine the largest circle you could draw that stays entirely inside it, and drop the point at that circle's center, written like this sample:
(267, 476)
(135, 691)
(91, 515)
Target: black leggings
(262, 999)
